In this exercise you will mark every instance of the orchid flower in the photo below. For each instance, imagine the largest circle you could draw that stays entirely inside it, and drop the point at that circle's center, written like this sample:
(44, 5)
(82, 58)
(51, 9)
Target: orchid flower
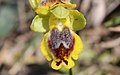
(60, 43)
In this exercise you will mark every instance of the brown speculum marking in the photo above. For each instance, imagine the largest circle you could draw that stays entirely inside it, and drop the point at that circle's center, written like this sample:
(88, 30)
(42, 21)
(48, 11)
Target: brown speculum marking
(61, 44)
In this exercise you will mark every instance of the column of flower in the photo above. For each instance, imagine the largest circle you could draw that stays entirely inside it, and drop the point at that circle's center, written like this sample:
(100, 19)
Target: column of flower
(56, 19)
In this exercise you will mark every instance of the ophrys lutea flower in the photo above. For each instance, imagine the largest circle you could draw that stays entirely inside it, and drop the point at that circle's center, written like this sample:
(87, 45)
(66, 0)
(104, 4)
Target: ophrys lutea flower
(60, 43)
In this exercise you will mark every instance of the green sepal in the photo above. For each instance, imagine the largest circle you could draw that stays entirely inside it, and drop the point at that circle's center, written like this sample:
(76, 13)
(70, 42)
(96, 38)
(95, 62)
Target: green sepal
(42, 10)
(60, 12)
(77, 20)
(34, 3)
(40, 23)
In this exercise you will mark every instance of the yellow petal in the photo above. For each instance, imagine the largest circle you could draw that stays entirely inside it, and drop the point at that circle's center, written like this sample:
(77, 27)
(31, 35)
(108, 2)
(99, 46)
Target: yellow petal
(78, 46)
(58, 23)
(44, 48)
(70, 63)
(54, 66)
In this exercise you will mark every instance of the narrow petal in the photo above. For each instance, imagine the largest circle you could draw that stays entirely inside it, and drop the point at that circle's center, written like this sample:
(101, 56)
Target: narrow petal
(70, 63)
(78, 46)
(58, 23)
(44, 48)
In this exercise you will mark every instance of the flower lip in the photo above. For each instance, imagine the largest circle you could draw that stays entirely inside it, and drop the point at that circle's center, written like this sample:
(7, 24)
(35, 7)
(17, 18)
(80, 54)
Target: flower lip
(61, 44)
(61, 55)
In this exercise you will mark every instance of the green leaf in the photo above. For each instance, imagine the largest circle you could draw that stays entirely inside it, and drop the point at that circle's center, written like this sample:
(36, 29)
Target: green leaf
(40, 23)
(60, 12)
(77, 19)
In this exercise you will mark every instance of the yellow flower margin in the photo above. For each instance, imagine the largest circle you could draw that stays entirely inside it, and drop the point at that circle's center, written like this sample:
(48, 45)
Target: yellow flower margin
(78, 47)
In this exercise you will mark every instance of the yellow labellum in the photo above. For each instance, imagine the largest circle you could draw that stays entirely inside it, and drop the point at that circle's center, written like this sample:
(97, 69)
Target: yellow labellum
(67, 61)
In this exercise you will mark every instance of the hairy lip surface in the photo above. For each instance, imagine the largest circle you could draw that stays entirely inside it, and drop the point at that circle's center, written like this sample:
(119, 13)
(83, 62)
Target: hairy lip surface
(61, 43)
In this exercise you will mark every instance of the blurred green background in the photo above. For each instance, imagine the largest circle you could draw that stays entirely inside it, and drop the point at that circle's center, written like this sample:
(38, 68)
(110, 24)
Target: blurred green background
(19, 46)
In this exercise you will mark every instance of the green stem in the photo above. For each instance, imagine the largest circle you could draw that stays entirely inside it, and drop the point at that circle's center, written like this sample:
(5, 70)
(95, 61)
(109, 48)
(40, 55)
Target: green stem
(70, 71)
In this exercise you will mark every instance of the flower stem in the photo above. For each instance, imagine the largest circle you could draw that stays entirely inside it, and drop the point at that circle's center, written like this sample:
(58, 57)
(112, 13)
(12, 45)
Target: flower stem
(70, 71)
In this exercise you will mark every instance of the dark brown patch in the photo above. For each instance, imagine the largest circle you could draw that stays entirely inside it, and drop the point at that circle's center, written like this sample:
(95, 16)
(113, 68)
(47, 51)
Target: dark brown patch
(58, 63)
(66, 62)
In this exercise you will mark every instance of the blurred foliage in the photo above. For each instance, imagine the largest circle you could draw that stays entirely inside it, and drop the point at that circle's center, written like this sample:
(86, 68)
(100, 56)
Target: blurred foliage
(8, 19)
(34, 39)
(113, 22)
